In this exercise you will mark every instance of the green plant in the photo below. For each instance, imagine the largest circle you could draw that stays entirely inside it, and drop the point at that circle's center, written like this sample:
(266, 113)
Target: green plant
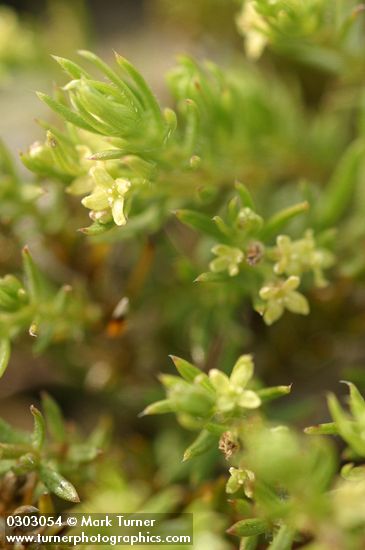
(287, 121)
(41, 462)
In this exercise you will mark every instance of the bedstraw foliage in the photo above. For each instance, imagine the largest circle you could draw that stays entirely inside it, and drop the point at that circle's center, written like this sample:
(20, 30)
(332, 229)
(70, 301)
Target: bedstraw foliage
(254, 172)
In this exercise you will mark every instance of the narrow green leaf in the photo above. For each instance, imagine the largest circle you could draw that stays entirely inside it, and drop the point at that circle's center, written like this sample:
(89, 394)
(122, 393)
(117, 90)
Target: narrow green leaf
(71, 68)
(99, 126)
(61, 298)
(267, 394)
(160, 407)
(116, 116)
(83, 453)
(13, 450)
(323, 466)
(101, 435)
(268, 497)
(5, 350)
(113, 77)
(210, 277)
(278, 220)
(58, 484)
(54, 418)
(340, 189)
(356, 401)
(328, 428)
(241, 506)
(199, 221)
(169, 380)
(188, 371)
(39, 430)
(9, 435)
(142, 86)
(223, 228)
(203, 443)
(33, 275)
(245, 195)
(215, 429)
(249, 527)
(345, 426)
(191, 127)
(96, 229)
(65, 112)
(283, 539)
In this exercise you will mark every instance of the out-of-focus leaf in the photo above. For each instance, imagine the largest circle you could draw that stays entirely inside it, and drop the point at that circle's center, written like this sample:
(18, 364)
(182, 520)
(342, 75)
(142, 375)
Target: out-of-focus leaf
(188, 371)
(283, 539)
(249, 527)
(356, 402)
(5, 350)
(58, 484)
(202, 444)
(199, 221)
(340, 189)
(160, 407)
(267, 394)
(39, 430)
(10, 435)
(33, 276)
(328, 428)
(280, 219)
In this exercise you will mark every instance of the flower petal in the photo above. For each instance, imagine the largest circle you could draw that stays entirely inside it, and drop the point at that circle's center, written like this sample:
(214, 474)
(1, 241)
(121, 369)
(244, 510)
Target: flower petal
(297, 303)
(122, 186)
(242, 371)
(98, 200)
(118, 212)
(249, 400)
(273, 311)
(219, 380)
(219, 264)
(291, 283)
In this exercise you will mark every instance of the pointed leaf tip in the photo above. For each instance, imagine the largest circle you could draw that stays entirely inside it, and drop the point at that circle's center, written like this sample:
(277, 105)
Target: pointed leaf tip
(5, 350)
(39, 430)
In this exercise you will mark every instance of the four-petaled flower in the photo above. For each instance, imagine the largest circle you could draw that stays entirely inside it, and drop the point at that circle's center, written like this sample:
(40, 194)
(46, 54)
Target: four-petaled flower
(280, 296)
(228, 259)
(108, 195)
(240, 478)
(296, 257)
(231, 391)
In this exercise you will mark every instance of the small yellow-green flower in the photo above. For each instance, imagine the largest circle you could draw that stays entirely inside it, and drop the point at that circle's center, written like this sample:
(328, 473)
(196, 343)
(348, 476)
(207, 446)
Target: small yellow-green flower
(240, 478)
(228, 259)
(231, 391)
(297, 257)
(108, 195)
(280, 296)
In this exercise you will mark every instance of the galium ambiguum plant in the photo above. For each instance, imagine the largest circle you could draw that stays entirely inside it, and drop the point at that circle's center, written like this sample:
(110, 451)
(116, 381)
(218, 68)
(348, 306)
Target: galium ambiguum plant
(262, 176)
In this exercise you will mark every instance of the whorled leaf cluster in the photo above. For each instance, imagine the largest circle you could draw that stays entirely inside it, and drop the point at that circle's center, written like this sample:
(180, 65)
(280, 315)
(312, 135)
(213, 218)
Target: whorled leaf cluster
(271, 241)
